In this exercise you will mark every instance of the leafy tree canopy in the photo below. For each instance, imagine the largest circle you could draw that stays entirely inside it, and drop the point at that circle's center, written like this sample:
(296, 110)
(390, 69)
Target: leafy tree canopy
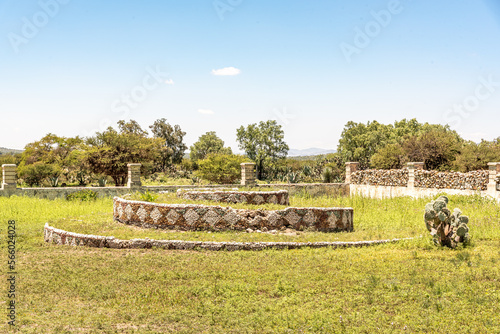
(389, 146)
(110, 151)
(263, 143)
(173, 147)
(206, 144)
(221, 168)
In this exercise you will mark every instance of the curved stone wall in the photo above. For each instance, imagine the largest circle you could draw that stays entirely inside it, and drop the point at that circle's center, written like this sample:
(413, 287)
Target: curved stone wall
(61, 237)
(216, 218)
(234, 196)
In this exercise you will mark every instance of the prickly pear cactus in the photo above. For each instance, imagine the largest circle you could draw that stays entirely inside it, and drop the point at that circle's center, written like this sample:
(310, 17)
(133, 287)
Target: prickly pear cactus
(448, 228)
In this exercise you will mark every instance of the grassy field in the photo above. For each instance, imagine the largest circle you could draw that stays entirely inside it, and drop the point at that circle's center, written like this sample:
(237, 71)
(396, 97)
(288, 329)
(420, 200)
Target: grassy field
(409, 287)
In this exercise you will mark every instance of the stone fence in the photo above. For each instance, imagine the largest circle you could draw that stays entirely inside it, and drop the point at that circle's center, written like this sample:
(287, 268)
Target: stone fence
(416, 182)
(9, 185)
(191, 217)
(249, 197)
(61, 237)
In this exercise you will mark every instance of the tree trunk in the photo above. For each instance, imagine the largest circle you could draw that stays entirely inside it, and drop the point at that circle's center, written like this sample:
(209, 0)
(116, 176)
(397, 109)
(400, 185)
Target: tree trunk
(260, 167)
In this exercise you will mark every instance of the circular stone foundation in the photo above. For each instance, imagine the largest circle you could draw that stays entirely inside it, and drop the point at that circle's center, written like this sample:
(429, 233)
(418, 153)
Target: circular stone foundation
(61, 237)
(192, 217)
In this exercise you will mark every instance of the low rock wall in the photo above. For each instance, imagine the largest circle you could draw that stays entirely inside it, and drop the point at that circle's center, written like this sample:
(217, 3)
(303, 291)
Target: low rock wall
(249, 197)
(380, 177)
(61, 237)
(475, 180)
(216, 218)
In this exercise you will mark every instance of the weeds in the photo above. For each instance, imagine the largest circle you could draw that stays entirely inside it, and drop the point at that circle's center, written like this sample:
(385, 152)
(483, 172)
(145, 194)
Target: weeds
(406, 287)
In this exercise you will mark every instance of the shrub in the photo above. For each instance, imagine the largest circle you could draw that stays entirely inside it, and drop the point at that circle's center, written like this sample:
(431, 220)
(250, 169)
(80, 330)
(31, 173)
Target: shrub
(221, 168)
(327, 175)
(82, 195)
(36, 173)
(148, 197)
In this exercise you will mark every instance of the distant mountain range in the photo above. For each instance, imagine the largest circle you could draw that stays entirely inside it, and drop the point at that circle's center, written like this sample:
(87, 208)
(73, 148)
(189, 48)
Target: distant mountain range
(4, 150)
(309, 151)
(291, 153)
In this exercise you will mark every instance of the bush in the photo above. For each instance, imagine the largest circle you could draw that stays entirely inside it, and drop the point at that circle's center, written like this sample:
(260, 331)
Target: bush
(327, 175)
(36, 173)
(221, 168)
(82, 195)
(148, 197)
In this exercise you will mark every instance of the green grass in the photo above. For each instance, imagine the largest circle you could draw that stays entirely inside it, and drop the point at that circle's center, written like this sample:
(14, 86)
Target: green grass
(410, 287)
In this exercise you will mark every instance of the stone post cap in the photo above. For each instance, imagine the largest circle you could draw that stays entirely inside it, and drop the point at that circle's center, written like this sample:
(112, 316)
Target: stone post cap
(353, 166)
(417, 165)
(248, 164)
(9, 165)
(492, 165)
(134, 165)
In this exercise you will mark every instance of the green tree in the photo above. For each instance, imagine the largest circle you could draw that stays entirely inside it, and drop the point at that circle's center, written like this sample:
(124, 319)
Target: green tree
(391, 156)
(221, 168)
(436, 148)
(475, 156)
(110, 151)
(173, 148)
(360, 142)
(34, 174)
(63, 154)
(263, 143)
(206, 144)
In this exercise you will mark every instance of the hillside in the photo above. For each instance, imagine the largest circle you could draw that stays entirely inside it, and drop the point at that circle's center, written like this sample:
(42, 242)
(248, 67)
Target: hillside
(4, 150)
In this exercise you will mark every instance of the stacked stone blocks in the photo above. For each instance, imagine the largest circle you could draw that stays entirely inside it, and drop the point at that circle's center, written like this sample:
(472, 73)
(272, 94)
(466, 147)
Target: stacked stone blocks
(134, 175)
(191, 217)
(248, 197)
(248, 174)
(61, 237)
(414, 176)
(9, 181)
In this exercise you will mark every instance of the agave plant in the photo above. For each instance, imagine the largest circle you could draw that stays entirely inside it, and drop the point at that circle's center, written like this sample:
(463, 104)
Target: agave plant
(54, 181)
(102, 181)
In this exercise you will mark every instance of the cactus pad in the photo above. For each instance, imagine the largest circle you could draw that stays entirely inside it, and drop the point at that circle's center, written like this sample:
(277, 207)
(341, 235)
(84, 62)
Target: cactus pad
(447, 228)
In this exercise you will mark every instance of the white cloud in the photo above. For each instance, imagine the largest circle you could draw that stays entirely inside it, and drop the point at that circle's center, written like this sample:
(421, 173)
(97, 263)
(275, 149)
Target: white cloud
(226, 71)
(169, 82)
(206, 111)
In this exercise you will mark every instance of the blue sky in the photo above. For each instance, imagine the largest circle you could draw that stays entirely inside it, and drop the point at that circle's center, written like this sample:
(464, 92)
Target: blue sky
(73, 67)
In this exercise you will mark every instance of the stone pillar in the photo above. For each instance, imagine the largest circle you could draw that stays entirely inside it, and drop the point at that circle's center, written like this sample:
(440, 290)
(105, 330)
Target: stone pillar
(412, 167)
(350, 167)
(494, 169)
(9, 177)
(248, 174)
(134, 175)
